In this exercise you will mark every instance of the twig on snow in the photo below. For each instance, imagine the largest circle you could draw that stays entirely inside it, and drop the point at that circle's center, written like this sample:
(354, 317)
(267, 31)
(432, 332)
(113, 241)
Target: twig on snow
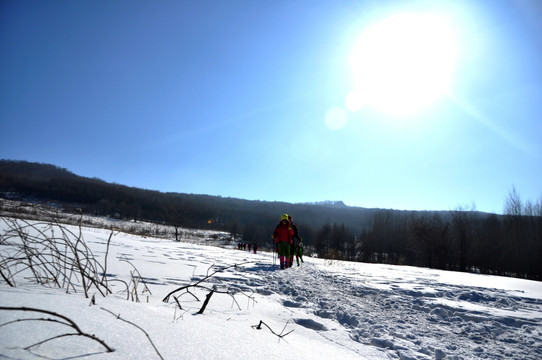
(281, 335)
(61, 320)
(137, 326)
(198, 285)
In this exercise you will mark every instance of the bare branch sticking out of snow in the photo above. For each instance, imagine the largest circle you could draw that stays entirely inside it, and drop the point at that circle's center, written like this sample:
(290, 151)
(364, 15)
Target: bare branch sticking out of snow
(58, 318)
(281, 335)
(137, 326)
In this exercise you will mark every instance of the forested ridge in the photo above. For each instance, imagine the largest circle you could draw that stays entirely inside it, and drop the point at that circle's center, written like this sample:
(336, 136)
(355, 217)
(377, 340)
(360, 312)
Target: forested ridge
(462, 239)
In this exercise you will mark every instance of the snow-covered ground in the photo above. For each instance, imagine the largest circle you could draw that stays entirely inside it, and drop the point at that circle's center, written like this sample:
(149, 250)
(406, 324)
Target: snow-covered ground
(325, 309)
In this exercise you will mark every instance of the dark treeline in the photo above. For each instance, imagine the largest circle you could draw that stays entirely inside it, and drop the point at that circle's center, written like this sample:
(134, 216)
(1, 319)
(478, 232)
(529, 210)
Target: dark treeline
(254, 220)
(462, 239)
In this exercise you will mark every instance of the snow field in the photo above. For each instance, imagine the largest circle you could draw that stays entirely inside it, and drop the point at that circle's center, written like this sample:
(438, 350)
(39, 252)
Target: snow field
(336, 309)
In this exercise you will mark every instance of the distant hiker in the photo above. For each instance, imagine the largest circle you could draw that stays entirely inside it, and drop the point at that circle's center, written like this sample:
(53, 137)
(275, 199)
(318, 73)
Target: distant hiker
(283, 238)
(249, 247)
(295, 240)
(299, 251)
(255, 247)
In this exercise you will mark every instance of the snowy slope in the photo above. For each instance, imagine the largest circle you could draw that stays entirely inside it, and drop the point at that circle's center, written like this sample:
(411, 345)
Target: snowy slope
(337, 310)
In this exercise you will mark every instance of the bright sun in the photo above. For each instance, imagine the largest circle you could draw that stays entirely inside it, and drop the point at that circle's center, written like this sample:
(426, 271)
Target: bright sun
(402, 64)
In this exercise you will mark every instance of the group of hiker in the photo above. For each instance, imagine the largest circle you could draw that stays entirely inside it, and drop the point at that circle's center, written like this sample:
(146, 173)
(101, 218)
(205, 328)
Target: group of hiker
(288, 242)
(243, 246)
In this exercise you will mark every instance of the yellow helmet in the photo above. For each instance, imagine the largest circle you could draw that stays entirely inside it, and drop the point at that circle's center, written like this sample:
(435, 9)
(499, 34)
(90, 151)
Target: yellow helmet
(284, 217)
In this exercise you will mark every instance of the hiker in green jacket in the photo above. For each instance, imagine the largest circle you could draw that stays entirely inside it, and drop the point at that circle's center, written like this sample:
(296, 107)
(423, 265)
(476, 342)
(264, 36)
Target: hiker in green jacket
(296, 239)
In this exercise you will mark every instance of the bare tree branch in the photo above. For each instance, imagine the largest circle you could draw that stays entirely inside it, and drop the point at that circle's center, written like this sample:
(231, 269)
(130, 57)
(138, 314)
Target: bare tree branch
(137, 326)
(207, 298)
(281, 335)
(61, 320)
(197, 284)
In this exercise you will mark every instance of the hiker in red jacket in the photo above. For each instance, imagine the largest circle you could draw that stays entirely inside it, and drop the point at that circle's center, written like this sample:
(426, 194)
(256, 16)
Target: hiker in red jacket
(283, 238)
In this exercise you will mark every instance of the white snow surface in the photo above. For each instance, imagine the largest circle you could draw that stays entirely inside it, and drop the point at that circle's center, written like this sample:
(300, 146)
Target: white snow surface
(334, 309)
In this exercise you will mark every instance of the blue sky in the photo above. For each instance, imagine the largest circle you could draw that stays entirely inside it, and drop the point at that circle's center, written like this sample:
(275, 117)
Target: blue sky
(233, 98)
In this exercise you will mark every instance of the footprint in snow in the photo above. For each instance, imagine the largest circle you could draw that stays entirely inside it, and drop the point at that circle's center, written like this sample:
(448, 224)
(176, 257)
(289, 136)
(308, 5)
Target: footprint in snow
(310, 324)
(291, 304)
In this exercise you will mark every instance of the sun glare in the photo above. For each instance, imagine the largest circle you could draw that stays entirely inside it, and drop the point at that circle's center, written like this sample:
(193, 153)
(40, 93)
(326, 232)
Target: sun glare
(402, 64)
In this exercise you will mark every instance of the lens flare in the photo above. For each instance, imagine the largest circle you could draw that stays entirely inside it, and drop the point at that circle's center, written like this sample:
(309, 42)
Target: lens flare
(336, 118)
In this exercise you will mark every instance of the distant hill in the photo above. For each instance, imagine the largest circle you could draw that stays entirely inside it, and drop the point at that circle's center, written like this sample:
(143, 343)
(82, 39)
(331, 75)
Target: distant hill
(329, 203)
(30, 181)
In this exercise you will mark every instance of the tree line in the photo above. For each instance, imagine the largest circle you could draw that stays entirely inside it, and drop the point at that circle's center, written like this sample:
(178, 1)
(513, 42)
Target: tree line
(462, 239)
(459, 240)
(255, 220)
